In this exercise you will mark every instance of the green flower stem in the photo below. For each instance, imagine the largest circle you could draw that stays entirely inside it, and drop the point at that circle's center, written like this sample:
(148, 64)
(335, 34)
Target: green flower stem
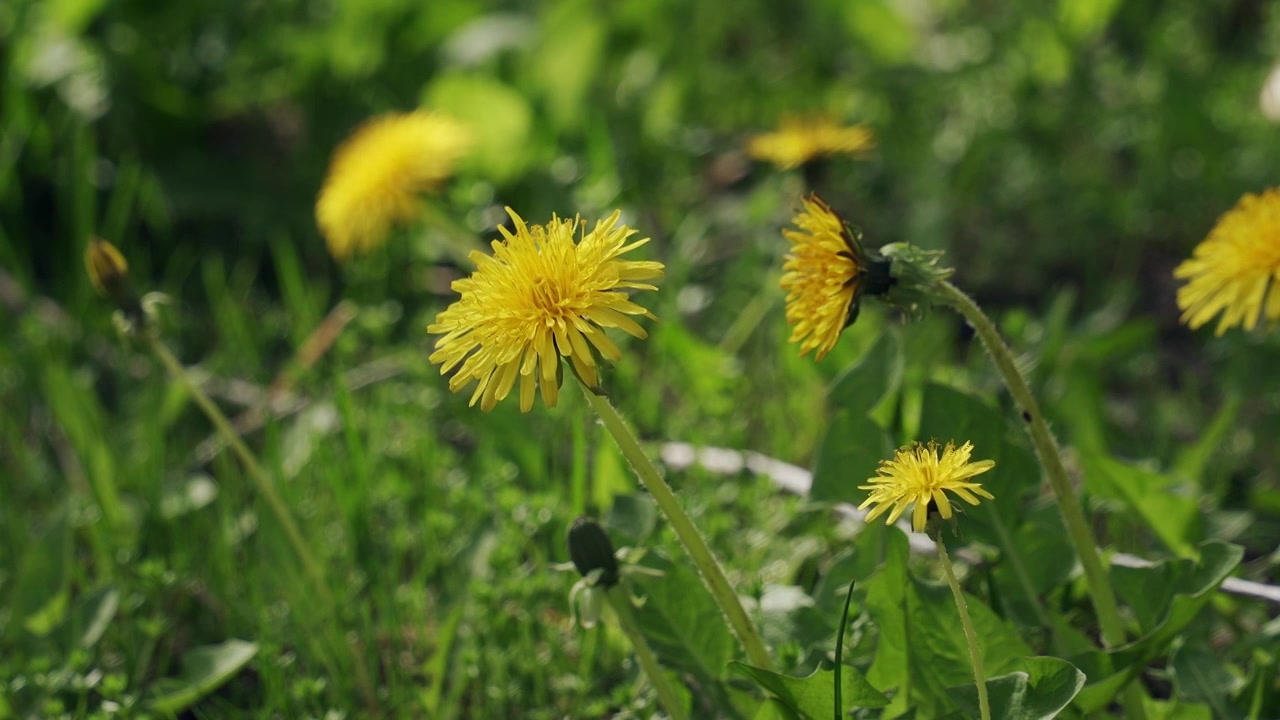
(257, 474)
(265, 487)
(1104, 599)
(667, 695)
(970, 635)
(1100, 591)
(690, 538)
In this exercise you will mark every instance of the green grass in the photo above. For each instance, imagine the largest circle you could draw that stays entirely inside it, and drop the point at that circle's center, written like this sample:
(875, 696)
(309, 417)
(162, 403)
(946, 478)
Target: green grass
(1066, 160)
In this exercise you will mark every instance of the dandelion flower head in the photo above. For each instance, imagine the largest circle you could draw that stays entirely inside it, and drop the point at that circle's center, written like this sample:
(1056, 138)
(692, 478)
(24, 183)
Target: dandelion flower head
(917, 476)
(377, 175)
(822, 277)
(541, 296)
(1236, 269)
(801, 139)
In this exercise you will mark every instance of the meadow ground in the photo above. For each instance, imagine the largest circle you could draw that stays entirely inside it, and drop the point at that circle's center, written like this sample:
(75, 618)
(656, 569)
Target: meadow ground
(377, 548)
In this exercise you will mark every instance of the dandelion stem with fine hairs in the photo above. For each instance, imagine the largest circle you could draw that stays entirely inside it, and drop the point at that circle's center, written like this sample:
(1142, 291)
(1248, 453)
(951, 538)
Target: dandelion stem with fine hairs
(685, 530)
(1100, 591)
(667, 696)
(970, 635)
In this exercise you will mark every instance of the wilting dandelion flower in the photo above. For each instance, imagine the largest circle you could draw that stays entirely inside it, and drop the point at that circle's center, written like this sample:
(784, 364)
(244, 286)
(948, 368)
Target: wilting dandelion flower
(377, 175)
(917, 475)
(824, 275)
(1234, 271)
(541, 296)
(800, 140)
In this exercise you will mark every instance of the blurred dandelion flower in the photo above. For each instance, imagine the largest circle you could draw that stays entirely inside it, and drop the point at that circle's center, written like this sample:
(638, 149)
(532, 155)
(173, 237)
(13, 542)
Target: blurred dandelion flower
(916, 476)
(800, 140)
(377, 174)
(1234, 270)
(824, 275)
(539, 297)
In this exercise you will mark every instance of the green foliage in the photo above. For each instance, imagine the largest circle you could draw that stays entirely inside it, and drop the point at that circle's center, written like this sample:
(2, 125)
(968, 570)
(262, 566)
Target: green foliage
(1064, 156)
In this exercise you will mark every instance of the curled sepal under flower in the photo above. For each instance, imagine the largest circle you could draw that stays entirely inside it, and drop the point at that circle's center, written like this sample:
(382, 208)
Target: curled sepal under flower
(825, 274)
(1235, 272)
(541, 296)
(917, 276)
(917, 475)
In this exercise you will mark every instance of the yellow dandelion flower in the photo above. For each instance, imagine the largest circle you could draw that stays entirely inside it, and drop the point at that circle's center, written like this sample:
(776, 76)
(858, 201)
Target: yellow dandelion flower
(1234, 270)
(539, 297)
(800, 140)
(377, 175)
(916, 476)
(824, 275)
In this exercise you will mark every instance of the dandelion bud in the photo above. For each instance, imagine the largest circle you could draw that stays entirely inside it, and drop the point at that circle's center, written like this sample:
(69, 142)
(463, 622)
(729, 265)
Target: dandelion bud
(592, 552)
(108, 270)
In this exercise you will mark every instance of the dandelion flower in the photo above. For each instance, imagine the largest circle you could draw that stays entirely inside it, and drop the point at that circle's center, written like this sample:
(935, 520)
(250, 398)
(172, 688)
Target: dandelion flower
(541, 296)
(377, 175)
(916, 476)
(1234, 270)
(824, 275)
(800, 140)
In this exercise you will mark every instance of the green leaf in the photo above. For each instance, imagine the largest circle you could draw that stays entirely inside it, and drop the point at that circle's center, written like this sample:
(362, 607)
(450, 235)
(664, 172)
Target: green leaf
(499, 117)
(1166, 598)
(874, 378)
(773, 709)
(921, 645)
(1174, 516)
(814, 696)
(850, 453)
(1202, 675)
(204, 669)
(1039, 691)
(682, 621)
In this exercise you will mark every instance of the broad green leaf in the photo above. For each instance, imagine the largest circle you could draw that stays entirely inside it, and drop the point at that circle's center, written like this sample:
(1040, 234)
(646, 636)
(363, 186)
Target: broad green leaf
(850, 453)
(1165, 598)
(204, 669)
(1039, 691)
(773, 709)
(1174, 516)
(682, 621)
(499, 117)
(1202, 675)
(1173, 710)
(921, 644)
(814, 696)
(872, 380)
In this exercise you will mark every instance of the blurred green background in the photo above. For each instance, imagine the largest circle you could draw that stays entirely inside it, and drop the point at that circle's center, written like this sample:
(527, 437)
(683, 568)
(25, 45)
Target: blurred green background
(1066, 155)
